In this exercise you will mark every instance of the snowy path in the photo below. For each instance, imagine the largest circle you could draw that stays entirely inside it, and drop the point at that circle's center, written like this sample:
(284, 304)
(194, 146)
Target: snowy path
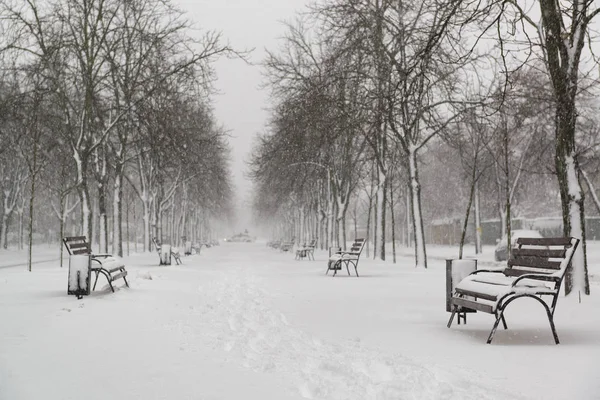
(245, 321)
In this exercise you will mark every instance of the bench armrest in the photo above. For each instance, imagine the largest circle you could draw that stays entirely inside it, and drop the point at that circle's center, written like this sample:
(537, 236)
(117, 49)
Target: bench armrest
(101, 255)
(347, 253)
(499, 271)
(538, 277)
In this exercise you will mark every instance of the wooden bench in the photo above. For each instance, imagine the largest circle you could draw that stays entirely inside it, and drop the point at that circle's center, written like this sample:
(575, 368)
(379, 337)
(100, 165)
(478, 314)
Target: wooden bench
(287, 246)
(536, 270)
(174, 252)
(307, 250)
(108, 265)
(275, 243)
(346, 257)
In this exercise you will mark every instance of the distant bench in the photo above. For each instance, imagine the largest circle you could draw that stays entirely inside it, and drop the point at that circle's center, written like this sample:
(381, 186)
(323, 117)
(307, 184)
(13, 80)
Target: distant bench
(108, 265)
(536, 268)
(308, 250)
(173, 251)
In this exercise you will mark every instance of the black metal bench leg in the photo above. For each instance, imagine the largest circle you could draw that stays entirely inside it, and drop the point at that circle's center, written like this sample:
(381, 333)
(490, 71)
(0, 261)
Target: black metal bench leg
(347, 268)
(126, 283)
(493, 332)
(96, 280)
(504, 322)
(452, 316)
(550, 319)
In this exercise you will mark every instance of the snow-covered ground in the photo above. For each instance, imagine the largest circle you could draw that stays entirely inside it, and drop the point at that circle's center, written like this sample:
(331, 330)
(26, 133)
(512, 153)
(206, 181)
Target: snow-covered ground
(243, 321)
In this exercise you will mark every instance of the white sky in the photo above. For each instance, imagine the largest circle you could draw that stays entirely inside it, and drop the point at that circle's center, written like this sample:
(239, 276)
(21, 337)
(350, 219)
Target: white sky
(240, 107)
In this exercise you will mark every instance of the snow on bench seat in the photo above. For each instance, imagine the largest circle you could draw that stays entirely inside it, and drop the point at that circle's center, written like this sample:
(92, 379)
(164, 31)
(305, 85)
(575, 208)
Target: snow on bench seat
(536, 269)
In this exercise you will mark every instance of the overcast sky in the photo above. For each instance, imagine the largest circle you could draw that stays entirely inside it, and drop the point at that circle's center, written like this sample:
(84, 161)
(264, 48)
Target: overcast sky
(245, 24)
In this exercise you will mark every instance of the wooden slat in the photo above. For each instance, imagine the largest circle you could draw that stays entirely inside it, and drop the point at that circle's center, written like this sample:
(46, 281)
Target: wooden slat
(519, 272)
(484, 296)
(119, 275)
(78, 245)
(472, 304)
(539, 253)
(533, 262)
(75, 238)
(560, 241)
(79, 251)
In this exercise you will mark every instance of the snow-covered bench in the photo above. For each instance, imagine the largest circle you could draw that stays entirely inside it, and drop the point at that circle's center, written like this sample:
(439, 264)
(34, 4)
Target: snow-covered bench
(346, 257)
(307, 250)
(275, 243)
(174, 251)
(536, 270)
(287, 246)
(110, 266)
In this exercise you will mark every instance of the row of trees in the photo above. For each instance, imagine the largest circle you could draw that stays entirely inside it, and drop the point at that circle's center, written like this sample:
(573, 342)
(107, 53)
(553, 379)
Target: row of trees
(366, 90)
(105, 99)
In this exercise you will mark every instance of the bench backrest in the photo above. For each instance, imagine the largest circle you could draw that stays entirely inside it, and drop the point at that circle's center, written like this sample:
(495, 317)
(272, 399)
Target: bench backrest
(156, 243)
(549, 256)
(77, 245)
(357, 247)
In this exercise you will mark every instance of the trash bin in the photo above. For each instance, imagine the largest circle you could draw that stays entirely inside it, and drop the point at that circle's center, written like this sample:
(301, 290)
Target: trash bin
(456, 271)
(80, 268)
(165, 254)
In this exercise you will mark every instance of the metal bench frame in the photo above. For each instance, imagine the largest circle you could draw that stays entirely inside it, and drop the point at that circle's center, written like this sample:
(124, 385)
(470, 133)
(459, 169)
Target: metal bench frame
(287, 246)
(346, 257)
(174, 254)
(307, 250)
(78, 245)
(534, 259)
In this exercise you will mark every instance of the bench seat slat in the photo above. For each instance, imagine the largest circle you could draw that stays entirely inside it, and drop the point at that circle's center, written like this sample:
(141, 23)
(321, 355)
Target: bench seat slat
(119, 275)
(485, 296)
(486, 308)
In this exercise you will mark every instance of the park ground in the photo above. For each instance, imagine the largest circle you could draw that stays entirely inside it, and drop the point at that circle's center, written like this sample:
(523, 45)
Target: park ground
(242, 320)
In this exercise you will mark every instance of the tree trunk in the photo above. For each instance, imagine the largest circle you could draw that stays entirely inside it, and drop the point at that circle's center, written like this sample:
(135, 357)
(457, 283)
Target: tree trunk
(380, 216)
(4, 231)
(146, 218)
(417, 218)
(392, 216)
(478, 249)
(103, 218)
(31, 209)
(469, 205)
(61, 229)
(117, 242)
(571, 194)
(369, 218)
